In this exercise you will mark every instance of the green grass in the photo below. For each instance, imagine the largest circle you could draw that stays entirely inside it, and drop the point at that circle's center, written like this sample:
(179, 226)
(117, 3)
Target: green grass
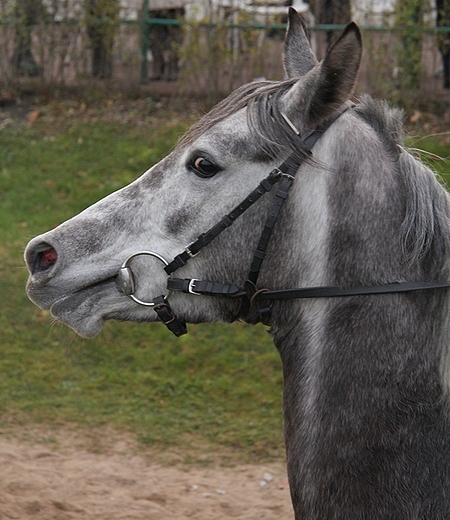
(218, 388)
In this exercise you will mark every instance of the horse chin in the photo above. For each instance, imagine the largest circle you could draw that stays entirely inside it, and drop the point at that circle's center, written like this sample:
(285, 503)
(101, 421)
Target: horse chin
(84, 311)
(85, 326)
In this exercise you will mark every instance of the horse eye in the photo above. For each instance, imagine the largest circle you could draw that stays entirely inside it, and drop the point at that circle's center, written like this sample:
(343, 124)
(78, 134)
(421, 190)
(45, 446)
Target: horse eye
(204, 168)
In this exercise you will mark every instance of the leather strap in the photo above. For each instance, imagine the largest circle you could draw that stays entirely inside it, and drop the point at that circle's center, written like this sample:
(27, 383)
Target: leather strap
(260, 303)
(204, 287)
(313, 137)
(288, 170)
(280, 197)
(337, 292)
(205, 238)
(166, 315)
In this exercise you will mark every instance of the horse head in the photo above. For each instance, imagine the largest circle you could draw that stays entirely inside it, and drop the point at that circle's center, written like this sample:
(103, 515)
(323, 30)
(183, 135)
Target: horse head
(74, 268)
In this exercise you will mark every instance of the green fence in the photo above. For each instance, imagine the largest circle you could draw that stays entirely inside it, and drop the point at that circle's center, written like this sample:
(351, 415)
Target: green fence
(210, 58)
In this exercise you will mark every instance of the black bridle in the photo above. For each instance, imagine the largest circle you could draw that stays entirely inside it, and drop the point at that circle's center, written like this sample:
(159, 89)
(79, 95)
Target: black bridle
(256, 303)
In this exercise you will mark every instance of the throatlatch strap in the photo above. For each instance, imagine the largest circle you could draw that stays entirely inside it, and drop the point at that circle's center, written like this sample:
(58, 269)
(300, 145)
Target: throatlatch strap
(288, 171)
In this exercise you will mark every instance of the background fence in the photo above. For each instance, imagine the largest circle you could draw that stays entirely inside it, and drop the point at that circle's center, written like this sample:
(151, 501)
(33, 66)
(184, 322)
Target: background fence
(185, 57)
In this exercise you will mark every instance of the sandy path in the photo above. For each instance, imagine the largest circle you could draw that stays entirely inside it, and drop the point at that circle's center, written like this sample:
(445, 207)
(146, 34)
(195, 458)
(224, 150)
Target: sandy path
(67, 480)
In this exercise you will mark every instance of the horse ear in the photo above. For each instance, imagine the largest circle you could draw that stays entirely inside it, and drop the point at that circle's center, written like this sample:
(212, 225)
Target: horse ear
(298, 55)
(320, 93)
(338, 74)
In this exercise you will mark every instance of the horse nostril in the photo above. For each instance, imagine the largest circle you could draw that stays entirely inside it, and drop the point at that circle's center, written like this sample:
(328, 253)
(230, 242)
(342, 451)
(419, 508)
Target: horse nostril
(47, 258)
(40, 258)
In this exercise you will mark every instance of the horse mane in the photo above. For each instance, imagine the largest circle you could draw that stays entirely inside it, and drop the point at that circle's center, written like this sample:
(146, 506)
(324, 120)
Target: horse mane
(425, 232)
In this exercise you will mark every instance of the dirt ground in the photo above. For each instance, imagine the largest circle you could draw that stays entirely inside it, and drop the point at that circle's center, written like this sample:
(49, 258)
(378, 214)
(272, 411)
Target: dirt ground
(65, 476)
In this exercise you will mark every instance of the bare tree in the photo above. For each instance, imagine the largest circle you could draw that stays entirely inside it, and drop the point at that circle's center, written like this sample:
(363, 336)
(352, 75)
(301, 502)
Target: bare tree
(331, 12)
(102, 23)
(27, 14)
(165, 41)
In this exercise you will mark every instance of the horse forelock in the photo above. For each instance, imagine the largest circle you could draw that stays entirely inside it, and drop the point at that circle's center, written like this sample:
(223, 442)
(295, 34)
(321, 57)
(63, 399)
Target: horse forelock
(268, 129)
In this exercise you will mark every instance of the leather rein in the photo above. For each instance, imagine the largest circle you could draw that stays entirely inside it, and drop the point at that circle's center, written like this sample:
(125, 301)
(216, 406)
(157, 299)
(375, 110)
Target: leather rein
(255, 302)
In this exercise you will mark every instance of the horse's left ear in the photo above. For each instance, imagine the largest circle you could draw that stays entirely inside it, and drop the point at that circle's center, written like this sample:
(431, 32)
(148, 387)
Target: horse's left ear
(327, 87)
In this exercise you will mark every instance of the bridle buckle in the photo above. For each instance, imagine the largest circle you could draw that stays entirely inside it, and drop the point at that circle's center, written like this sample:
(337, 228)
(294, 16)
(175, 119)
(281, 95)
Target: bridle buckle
(191, 287)
(188, 250)
(287, 176)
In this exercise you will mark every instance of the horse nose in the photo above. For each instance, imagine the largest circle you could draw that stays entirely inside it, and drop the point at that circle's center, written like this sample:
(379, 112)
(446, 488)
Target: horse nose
(40, 257)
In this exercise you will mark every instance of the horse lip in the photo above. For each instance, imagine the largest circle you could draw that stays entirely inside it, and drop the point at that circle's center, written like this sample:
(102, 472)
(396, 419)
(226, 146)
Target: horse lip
(76, 293)
(46, 296)
(96, 284)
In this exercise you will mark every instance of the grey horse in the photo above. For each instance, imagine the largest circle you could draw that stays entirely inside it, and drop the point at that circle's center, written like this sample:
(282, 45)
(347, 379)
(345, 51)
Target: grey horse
(366, 400)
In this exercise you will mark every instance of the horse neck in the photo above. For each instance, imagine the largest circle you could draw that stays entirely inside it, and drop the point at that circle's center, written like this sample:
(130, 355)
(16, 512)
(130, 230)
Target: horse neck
(363, 375)
(366, 416)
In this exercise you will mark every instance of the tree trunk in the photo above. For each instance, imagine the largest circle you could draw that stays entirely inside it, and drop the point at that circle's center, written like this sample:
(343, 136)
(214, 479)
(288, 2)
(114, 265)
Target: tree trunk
(27, 15)
(443, 20)
(331, 12)
(102, 24)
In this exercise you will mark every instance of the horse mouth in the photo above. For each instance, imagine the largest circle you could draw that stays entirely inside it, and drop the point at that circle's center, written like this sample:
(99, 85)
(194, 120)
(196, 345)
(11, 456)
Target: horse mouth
(83, 308)
(99, 284)
(86, 309)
